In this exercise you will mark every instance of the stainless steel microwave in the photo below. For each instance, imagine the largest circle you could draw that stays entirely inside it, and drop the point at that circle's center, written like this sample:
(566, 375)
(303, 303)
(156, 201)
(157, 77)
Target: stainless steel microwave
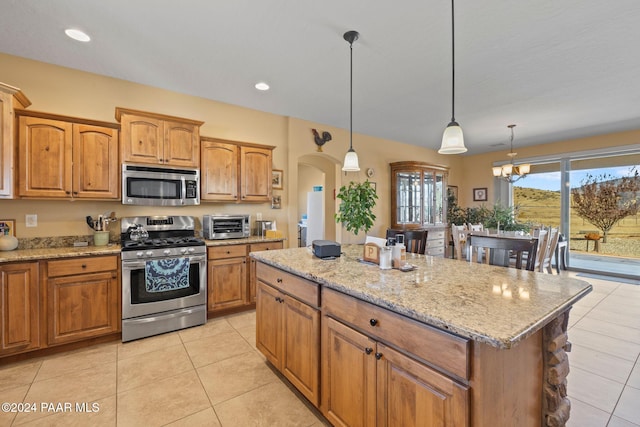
(160, 186)
(226, 226)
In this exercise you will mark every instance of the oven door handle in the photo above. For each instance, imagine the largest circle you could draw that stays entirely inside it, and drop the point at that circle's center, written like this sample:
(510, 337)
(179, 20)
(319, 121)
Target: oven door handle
(136, 264)
(181, 313)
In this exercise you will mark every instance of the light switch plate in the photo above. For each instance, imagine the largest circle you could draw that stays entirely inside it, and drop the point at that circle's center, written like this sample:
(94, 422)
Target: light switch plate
(31, 220)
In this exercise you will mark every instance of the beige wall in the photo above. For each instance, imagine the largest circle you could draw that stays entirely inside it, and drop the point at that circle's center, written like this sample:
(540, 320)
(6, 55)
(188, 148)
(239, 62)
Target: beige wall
(64, 91)
(476, 170)
(70, 92)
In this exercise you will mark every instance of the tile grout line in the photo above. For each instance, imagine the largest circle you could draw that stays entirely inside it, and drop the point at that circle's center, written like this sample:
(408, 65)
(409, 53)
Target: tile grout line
(620, 396)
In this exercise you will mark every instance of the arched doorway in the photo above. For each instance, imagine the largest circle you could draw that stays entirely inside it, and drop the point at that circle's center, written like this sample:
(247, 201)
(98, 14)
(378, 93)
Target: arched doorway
(316, 170)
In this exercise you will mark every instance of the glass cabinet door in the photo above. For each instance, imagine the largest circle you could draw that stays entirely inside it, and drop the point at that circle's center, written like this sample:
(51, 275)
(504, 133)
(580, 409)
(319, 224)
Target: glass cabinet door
(418, 195)
(409, 197)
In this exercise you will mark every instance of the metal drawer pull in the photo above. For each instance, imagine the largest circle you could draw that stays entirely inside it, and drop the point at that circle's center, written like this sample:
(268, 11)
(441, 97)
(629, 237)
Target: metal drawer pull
(373, 322)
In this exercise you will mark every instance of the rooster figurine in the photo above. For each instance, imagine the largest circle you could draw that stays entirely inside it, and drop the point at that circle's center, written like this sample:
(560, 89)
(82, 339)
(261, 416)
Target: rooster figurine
(320, 141)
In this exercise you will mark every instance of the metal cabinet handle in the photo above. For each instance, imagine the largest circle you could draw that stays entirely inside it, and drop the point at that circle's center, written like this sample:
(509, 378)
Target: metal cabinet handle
(279, 280)
(378, 356)
(368, 350)
(373, 322)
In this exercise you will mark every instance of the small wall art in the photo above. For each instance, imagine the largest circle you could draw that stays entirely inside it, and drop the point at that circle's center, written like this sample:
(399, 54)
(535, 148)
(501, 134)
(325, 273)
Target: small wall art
(480, 194)
(277, 179)
(8, 227)
(276, 202)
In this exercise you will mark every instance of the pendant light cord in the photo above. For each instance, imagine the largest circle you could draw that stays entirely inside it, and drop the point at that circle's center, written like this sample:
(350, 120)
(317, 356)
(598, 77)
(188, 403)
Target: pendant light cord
(453, 66)
(351, 98)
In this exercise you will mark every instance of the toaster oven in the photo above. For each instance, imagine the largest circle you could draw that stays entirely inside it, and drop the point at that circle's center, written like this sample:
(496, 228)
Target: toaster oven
(217, 227)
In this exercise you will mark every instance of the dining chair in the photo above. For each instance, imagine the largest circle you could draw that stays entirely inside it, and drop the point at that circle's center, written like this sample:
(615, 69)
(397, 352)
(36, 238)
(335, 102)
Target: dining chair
(549, 249)
(415, 241)
(497, 250)
(475, 227)
(542, 236)
(459, 237)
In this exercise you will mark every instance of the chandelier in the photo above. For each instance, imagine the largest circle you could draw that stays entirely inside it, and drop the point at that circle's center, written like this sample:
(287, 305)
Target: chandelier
(510, 172)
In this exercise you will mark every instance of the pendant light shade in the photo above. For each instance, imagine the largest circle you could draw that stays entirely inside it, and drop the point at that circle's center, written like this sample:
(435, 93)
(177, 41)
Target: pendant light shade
(452, 139)
(351, 158)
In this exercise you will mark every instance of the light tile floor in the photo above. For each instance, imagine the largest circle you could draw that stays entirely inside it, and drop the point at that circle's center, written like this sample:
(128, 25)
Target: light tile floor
(213, 375)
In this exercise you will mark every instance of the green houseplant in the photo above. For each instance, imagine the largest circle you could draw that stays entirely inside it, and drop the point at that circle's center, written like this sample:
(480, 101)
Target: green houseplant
(356, 207)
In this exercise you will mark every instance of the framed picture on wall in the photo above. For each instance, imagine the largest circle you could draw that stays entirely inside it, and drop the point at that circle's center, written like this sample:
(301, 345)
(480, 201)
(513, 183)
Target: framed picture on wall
(480, 194)
(8, 227)
(276, 202)
(277, 178)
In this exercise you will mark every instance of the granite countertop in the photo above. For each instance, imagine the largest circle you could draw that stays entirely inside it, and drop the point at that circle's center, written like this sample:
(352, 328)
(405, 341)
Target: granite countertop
(110, 249)
(243, 241)
(495, 305)
(62, 252)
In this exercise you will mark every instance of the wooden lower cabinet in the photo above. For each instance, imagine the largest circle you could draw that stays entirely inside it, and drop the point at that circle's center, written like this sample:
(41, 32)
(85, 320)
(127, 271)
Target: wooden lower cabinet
(20, 298)
(366, 383)
(288, 334)
(83, 298)
(231, 275)
(227, 283)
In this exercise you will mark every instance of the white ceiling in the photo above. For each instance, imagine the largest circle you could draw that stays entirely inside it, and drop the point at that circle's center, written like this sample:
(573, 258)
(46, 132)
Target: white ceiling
(558, 69)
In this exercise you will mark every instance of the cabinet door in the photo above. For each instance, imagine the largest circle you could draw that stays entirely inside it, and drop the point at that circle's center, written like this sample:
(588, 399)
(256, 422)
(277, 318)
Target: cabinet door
(219, 172)
(255, 174)
(255, 247)
(181, 144)
(95, 162)
(82, 306)
(411, 394)
(45, 152)
(20, 308)
(269, 323)
(142, 139)
(301, 339)
(348, 375)
(6, 144)
(227, 283)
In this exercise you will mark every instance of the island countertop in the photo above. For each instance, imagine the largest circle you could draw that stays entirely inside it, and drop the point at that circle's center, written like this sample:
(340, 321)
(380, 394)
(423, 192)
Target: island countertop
(495, 305)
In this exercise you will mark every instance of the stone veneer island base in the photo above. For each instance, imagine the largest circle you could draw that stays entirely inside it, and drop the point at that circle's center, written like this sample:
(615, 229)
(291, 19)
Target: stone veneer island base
(451, 343)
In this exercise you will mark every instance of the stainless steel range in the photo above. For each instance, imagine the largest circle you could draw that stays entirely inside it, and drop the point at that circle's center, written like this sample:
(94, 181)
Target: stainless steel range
(164, 275)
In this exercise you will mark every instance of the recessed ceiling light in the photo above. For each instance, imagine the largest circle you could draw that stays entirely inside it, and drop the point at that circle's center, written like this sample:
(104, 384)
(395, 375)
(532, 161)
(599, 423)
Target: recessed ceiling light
(78, 35)
(262, 86)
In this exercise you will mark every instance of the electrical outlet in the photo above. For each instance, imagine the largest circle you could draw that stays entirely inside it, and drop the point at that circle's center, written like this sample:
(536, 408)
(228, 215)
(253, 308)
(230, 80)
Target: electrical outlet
(31, 220)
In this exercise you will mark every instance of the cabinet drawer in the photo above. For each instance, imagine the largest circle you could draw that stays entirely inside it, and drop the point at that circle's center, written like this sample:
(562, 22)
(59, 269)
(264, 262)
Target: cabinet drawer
(67, 267)
(228, 251)
(441, 349)
(439, 251)
(435, 235)
(257, 247)
(435, 243)
(295, 286)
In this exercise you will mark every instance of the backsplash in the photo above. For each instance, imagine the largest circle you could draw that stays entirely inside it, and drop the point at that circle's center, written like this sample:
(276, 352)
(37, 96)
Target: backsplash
(60, 241)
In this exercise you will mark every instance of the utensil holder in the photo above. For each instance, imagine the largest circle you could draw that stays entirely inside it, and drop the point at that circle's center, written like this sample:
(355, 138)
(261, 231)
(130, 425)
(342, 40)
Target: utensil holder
(101, 238)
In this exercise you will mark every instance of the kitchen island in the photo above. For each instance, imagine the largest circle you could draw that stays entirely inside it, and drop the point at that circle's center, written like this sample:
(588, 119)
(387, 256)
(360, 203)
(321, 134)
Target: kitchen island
(450, 343)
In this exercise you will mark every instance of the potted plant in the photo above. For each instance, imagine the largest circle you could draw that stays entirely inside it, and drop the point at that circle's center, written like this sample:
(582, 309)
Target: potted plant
(356, 207)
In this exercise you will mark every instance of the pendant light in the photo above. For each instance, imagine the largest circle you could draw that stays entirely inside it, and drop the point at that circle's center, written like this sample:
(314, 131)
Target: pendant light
(452, 139)
(351, 158)
(510, 172)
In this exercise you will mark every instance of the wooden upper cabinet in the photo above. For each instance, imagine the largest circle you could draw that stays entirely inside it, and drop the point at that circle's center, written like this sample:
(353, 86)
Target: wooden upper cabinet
(10, 98)
(95, 162)
(157, 139)
(45, 157)
(255, 174)
(219, 173)
(64, 157)
(235, 171)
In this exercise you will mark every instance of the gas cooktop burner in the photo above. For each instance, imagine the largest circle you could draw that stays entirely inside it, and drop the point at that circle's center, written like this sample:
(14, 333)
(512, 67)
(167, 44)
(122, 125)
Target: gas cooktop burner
(174, 242)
